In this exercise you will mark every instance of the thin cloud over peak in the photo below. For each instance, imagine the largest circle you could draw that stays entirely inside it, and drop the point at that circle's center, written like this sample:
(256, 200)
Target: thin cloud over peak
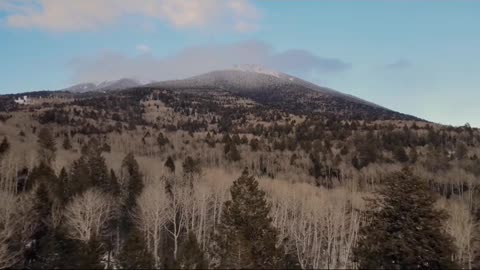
(196, 60)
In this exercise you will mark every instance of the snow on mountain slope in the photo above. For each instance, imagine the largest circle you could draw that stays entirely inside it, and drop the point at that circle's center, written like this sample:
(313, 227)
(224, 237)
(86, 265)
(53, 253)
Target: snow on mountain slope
(103, 86)
(254, 78)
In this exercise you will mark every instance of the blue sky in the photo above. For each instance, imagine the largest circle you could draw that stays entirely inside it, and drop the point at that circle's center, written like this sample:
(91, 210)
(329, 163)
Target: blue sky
(416, 57)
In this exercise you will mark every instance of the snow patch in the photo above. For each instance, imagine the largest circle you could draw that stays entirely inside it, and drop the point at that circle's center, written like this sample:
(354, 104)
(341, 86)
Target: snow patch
(257, 69)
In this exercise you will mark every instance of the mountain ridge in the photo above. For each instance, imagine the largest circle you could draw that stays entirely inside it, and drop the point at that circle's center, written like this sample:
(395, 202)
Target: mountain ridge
(262, 86)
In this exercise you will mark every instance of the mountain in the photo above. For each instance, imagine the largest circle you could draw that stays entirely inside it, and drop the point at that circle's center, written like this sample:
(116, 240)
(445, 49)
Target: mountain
(265, 88)
(283, 91)
(254, 78)
(103, 86)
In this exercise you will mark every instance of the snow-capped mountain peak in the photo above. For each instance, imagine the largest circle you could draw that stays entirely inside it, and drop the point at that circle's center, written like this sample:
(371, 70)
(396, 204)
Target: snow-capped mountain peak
(103, 86)
(257, 69)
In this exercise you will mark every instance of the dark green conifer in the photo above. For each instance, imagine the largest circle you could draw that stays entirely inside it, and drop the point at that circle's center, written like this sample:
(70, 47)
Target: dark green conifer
(134, 254)
(4, 146)
(67, 144)
(170, 164)
(403, 229)
(191, 255)
(47, 146)
(246, 237)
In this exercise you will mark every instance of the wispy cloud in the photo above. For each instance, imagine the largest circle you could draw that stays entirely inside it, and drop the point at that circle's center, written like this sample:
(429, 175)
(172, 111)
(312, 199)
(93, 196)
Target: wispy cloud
(398, 64)
(77, 15)
(195, 60)
(142, 48)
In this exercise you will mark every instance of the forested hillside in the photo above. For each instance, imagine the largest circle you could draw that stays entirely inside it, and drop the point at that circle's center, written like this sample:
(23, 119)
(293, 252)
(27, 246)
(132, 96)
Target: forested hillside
(158, 177)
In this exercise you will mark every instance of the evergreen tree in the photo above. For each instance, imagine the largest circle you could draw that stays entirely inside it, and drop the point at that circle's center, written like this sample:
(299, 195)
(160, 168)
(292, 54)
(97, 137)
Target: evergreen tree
(67, 144)
(42, 226)
(404, 230)
(461, 151)
(47, 146)
(134, 254)
(246, 237)
(79, 178)
(254, 144)
(162, 140)
(44, 174)
(98, 171)
(114, 187)
(170, 164)
(191, 255)
(400, 154)
(4, 146)
(63, 180)
(191, 168)
(413, 155)
(133, 188)
(131, 171)
(42, 205)
(210, 140)
(87, 255)
(231, 151)
(56, 252)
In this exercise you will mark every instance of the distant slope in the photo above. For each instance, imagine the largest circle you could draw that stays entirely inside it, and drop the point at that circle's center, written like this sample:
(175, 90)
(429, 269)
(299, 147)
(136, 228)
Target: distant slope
(252, 80)
(103, 86)
(285, 92)
(267, 88)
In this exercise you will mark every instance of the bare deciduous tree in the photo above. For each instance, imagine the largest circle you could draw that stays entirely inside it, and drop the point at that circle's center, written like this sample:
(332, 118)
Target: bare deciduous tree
(15, 226)
(178, 192)
(151, 215)
(87, 215)
(7, 209)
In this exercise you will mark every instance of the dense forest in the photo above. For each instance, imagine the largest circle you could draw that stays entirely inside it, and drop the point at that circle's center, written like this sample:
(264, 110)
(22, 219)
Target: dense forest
(207, 178)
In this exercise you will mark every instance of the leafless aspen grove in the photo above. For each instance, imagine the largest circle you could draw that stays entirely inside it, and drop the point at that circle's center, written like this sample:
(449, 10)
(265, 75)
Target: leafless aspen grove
(317, 170)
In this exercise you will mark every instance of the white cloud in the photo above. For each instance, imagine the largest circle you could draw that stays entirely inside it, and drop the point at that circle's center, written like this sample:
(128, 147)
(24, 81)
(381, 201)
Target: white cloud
(197, 60)
(76, 15)
(142, 48)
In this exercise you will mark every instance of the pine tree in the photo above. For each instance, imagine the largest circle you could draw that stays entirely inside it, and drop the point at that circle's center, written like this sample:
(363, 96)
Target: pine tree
(133, 188)
(4, 146)
(56, 252)
(191, 255)
(44, 174)
(98, 171)
(63, 180)
(231, 151)
(400, 154)
(170, 164)
(47, 146)
(413, 155)
(254, 144)
(114, 187)
(131, 171)
(162, 140)
(42, 205)
(67, 145)
(87, 255)
(79, 178)
(246, 237)
(41, 225)
(403, 229)
(134, 254)
(191, 168)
